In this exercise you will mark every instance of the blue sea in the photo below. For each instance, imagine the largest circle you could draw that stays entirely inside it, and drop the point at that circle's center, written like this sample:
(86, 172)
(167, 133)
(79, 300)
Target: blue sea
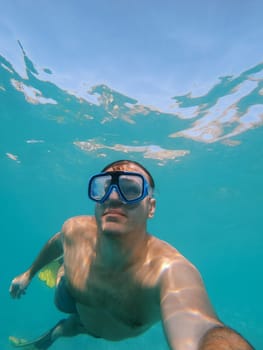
(206, 156)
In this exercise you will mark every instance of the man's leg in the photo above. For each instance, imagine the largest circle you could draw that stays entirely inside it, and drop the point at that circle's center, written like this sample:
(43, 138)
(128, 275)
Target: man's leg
(64, 328)
(67, 328)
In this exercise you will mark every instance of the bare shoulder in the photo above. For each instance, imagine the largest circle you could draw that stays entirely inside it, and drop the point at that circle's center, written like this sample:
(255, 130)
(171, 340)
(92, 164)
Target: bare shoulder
(172, 264)
(82, 223)
(162, 249)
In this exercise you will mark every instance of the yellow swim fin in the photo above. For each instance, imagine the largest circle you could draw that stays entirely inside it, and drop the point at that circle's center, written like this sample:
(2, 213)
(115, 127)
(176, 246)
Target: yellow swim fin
(49, 273)
(20, 342)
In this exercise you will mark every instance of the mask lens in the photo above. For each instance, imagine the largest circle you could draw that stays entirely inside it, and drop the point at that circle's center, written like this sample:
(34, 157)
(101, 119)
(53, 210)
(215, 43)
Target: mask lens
(99, 186)
(131, 186)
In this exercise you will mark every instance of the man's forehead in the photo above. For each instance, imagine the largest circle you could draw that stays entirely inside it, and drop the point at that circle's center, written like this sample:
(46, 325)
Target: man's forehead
(128, 167)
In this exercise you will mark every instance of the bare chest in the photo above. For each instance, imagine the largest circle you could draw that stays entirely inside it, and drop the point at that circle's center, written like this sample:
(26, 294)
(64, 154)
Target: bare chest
(123, 308)
(124, 298)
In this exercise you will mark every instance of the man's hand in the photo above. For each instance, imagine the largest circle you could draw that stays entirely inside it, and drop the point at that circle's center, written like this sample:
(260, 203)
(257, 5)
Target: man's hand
(19, 284)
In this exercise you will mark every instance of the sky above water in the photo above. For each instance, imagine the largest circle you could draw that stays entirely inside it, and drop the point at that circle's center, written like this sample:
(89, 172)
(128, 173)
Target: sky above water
(149, 50)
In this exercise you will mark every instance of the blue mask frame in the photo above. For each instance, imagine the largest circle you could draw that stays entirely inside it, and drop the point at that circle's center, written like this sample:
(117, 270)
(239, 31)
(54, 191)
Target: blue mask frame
(114, 184)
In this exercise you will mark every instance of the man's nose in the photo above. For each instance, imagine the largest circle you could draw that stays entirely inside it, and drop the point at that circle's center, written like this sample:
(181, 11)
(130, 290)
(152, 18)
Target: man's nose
(114, 195)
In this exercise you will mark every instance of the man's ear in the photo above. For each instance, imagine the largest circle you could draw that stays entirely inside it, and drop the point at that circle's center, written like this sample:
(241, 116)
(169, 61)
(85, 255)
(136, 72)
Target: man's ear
(152, 207)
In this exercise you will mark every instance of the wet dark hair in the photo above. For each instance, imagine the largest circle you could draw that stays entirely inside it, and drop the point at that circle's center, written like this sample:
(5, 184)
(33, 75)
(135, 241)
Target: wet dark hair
(127, 162)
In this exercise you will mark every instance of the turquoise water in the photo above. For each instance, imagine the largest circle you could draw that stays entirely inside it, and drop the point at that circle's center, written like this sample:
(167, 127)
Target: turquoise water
(205, 154)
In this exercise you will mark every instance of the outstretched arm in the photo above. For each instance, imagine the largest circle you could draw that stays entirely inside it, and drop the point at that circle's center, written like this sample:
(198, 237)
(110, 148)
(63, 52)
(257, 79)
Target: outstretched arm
(223, 338)
(51, 251)
(188, 318)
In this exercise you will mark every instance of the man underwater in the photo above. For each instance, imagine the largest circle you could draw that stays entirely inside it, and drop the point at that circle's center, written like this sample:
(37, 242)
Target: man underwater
(117, 280)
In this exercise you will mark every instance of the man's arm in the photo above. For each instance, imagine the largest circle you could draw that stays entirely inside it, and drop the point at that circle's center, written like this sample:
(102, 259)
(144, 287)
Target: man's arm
(189, 320)
(223, 338)
(52, 250)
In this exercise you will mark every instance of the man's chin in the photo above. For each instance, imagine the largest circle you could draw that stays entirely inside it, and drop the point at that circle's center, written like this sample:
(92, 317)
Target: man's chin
(112, 228)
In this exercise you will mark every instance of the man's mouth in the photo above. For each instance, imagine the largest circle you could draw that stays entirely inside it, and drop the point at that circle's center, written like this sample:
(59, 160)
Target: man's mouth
(114, 212)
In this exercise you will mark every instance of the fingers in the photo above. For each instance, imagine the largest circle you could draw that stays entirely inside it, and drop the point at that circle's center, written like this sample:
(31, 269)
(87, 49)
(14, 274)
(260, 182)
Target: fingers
(19, 284)
(16, 290)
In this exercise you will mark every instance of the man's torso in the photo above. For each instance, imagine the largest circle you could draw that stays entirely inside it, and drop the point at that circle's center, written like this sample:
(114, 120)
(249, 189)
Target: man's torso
(113, 304)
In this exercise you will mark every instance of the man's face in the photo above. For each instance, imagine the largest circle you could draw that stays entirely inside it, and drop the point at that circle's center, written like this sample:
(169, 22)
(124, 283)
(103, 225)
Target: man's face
(116, 217)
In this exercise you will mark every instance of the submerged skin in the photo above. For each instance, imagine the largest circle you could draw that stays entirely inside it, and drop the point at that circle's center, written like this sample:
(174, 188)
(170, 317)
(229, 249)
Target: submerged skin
(124, 280)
